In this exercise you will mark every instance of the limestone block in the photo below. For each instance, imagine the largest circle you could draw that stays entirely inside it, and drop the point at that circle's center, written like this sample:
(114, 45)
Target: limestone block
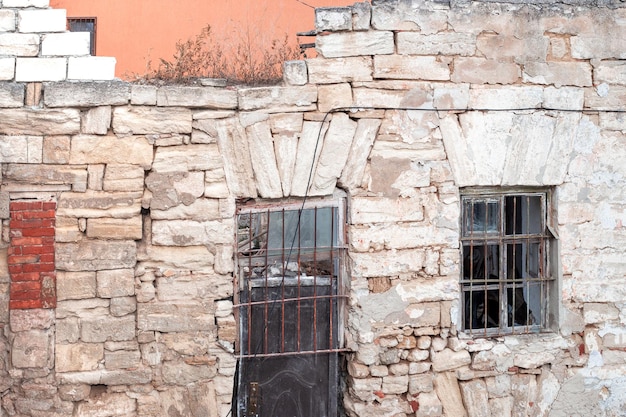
(78, 357)
(476, 398)
(449, 392)
(31, 349)
(7, 69)
(278, 99)
(92, 255)
(233, 146)
(75, 285)
(84, 308)
(333, 19)
(364, 136)
(56, 149)
(48, 20)
(121, 306)
(19, 44)
(143, 95)
(339, 70)
(184, 316)
(105, 377)
(67, 43)
(123, 178)
(567, 98)
(391, 99)
(263, 160)
(196, 258)
(110, 149)
(420, 383)
(334, 155)
(361, 16)
(11, 95)
(93, 204)
(599, 312)
(74, 392)
(7, 20)
(172, 189)
(27, 3)
(369, 264)
(202, 209)
(40, 69)
(528, 49)
(558, 73)
(4, 214)
(149, 120)
(429, 405)
(295, 73)
(604, 97)
(67, 330)
(182, 373)
(410, 67)
(484, 71)
(524, 390)
(47, 174)
(115, 404)
(191, 233)
(334, 96)
(31, 121)
(451, 97)
(286, 122)
(415, 43)
(115, 283)
(21, 150)
(336, 45)
(309, 150)
(96, 121)
(395, 384)
(610, 72)
(101, 329)
(501, 406)
(187, 158)
(204, 131)
(599, 45)
(285, 148)
(116, 229)
(31, 319)
(448, 359)
(184, 286)
(122, 359)
(408, 16)
(199, 97)
(505, 98)
(365, 210)
(86, 94)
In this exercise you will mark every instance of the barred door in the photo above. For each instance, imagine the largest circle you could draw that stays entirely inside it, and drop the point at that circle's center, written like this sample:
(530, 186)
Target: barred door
(290, 298)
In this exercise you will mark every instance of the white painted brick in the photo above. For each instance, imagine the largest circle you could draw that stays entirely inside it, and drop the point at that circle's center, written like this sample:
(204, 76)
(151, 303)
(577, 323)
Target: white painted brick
(40, 69)
(67, 43)
(91, 68)
(26, 3)
(7, 68)
(7, 20)
(37, 21)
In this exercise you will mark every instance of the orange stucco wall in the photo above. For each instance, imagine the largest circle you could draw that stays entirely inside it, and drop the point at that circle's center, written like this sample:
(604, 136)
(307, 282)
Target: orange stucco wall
(137, 31)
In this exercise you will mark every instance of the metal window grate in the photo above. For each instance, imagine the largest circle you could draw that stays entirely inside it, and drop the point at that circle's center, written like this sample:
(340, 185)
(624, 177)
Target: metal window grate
(505, 278)
(84, 24)
(290, 290)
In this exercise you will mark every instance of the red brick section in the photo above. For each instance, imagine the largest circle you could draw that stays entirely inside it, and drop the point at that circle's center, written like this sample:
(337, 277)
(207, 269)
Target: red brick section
(31, 255)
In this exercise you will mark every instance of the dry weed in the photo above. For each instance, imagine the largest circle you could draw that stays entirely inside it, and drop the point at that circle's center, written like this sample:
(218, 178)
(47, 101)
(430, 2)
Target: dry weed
(243, 58)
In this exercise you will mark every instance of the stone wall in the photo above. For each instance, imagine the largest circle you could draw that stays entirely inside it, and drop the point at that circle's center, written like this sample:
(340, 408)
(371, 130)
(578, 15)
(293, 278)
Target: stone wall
(408, 102)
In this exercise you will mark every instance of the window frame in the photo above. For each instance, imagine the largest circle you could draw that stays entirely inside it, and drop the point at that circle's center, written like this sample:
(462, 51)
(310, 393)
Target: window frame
(505, 290)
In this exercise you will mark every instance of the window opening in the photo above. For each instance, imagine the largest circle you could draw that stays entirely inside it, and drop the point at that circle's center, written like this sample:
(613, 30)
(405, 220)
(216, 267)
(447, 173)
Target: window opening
(506, 276)
(84, 24)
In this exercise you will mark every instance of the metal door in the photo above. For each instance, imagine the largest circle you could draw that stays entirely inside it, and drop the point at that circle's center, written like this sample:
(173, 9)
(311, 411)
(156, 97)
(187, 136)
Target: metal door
(289, 305)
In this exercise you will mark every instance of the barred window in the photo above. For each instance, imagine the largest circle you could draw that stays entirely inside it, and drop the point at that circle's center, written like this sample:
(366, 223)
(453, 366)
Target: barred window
(507, 278)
